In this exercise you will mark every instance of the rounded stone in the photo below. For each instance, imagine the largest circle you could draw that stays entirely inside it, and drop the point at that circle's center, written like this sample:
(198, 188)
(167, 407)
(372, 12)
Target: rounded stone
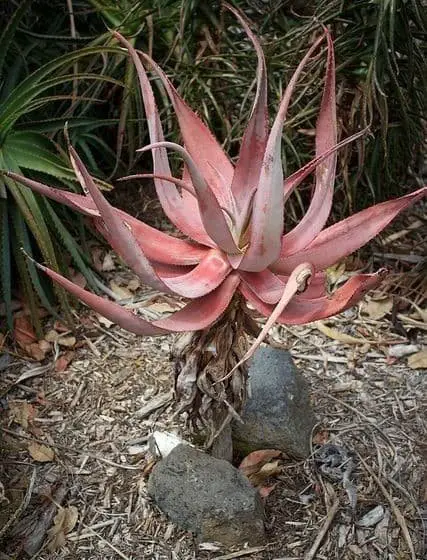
(208, 497)
(278, 413)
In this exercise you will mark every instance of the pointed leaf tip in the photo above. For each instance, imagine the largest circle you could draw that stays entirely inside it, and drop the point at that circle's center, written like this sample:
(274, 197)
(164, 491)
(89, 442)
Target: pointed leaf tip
(343, 238)
(210, 210)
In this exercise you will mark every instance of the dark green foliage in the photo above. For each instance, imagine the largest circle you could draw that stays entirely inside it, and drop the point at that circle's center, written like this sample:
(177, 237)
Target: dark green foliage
(31, 94)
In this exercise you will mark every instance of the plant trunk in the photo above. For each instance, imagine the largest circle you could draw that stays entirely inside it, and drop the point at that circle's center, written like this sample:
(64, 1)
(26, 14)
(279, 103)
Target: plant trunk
(204, 390)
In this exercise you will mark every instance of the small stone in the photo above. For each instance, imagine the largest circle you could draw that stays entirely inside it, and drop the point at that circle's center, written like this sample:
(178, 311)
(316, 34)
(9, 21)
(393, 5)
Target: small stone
(278, 414)
(162, 443)
(371, 518)
(208, 497)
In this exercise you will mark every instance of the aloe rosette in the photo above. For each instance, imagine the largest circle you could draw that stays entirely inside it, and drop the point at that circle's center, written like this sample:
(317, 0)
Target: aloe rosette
(234, 250)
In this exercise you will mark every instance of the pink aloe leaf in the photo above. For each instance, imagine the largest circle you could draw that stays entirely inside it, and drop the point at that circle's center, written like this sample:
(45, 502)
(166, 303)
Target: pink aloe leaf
(316, 288)
(298, 281)
(267, 214)
(202, 279)
(326, 138)
(294, 180)
(202, 313)
(156, 244)
(196, 315)
(168, 194)
(171, 270)
(248, 167)
(185, 185)
(200, 143)
(211, 213)
(121, 238)
(112, 311)
(341, 239)
(269, 286)
(302, 310)
(83, 204)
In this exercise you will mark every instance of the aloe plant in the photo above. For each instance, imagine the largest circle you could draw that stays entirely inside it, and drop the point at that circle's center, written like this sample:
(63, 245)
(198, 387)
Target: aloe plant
(234, 251)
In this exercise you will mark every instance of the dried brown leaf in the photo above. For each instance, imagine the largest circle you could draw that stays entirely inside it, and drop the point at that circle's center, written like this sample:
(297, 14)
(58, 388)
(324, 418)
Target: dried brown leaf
(255, 461)
(64, 522)
(337, 335)
(21, 412)
(377, 308)
(23, 331)
(51, 336)
(41, 453)
(67, 341)
(161, 307)
(37, 351)
(120, 291)
(63, 361)
(418, 360)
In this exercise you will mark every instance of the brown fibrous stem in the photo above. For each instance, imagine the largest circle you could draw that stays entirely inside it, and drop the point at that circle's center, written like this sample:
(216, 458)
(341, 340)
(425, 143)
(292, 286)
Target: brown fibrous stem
(202, 359)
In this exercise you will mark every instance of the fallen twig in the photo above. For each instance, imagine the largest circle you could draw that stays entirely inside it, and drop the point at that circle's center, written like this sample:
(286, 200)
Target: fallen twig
(22, 506)
(329, 518)
(399, 517)
(240, 553)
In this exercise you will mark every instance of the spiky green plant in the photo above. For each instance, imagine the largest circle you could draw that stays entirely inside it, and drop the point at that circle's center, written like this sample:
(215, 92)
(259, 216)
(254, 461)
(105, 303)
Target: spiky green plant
(27, 220)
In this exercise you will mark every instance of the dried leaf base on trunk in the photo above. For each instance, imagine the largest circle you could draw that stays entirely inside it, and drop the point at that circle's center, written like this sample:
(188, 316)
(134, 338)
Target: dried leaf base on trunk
(203, 359)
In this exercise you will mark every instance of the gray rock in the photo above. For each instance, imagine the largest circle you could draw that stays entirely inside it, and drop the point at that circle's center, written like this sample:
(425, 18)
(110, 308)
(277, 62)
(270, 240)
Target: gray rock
(207, 496)
(278, 414)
